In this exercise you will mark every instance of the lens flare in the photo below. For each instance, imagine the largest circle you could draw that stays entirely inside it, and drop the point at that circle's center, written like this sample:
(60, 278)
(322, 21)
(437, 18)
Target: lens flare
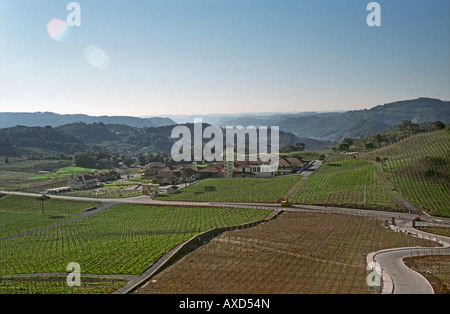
(57, 29)
(97, 57)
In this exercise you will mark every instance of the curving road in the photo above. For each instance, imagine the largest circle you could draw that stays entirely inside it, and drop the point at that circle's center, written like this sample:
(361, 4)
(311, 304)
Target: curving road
(397, 277)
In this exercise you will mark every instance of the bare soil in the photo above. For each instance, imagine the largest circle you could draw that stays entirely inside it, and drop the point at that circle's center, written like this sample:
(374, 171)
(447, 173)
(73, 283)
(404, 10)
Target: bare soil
(297, 253)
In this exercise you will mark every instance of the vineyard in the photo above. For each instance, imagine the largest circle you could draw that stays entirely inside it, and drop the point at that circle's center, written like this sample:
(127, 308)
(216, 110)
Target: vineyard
(419, 170)
(345, 181)
(435, 268)
(235, 190)
(295, 253)
(123, 240)
(19, 214)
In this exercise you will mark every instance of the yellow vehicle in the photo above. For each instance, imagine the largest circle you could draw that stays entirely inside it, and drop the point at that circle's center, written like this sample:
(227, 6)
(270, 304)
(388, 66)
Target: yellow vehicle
(286, 203)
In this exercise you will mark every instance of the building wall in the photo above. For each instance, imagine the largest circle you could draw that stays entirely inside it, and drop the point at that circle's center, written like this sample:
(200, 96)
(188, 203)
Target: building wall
(229, 169)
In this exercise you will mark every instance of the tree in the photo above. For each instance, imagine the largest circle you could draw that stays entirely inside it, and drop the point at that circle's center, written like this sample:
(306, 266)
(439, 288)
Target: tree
(348, 141)
(369, 145)
(379, 138)
(343, 147)
(85, 160)
(438, 125)
(128, 161)
(142, 160)
(291, 148)
(300, 146)
(408, 128)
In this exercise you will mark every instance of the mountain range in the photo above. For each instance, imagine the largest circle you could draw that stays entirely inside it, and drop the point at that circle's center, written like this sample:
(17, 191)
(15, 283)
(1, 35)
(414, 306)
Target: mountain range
(9, 119)
(25, 132)
(335, 126)
(116, 138)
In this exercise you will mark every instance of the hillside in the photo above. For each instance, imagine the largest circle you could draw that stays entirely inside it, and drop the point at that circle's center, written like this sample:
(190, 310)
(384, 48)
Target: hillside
(418, 168)
(335, 126)
(10, 119)
(415, 170)
(120, 139)
(18, 140)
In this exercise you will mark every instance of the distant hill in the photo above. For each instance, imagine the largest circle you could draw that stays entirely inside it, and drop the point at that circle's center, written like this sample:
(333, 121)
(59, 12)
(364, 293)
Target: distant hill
(116, 138)
(9, 119)
(335, 126)
(17, 140)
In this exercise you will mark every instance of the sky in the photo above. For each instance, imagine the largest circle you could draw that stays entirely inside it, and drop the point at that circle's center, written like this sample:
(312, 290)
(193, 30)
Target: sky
(173, 57)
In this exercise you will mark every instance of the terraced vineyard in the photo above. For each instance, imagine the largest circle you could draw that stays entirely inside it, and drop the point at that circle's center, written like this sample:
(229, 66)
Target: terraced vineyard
(346, 181)
(419, 169)
(123, 240)
(236, 190)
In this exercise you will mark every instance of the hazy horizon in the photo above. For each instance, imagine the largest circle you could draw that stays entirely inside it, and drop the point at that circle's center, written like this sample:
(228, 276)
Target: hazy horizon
(202, 57)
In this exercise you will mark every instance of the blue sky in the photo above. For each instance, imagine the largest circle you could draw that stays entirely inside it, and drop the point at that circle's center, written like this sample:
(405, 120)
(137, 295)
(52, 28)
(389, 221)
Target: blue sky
(208, 56)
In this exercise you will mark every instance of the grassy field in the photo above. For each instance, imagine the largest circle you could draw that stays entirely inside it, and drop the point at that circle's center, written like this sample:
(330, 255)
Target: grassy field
(235, 190)
(123, 240)
(297, 253)
(419, 169)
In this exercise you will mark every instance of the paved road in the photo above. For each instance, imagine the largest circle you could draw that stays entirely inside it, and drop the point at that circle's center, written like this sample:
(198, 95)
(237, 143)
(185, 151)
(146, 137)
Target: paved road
(399, 279)
(144, 199)
(311, 168)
